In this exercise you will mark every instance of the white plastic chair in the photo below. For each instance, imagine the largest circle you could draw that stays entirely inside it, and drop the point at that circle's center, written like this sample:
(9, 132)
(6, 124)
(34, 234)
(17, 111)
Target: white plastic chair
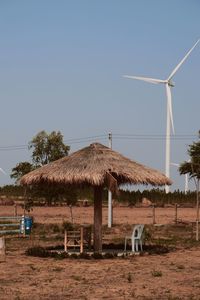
(136, 238)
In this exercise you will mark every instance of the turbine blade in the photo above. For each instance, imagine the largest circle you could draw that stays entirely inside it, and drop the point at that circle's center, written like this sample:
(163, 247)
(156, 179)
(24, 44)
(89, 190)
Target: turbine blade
(150, 80)
(174, 164)
(3, 171)
(169, 101)
(182, 61)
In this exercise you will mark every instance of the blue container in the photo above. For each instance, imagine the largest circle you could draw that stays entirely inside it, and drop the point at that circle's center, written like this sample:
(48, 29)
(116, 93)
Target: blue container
(28, 225)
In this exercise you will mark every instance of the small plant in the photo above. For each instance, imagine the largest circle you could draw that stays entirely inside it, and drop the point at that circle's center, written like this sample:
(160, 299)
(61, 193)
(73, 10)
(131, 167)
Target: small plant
(76, 277)
(67, 225)
(57, 269)
(129, 277)
(84, 255)
(64, 254)
(74, 255)
(171, 297)
(28, 205)
(109, 255)
(156, 273)
(55, 228)
(97, 255)
(33, 268)
(180, 267)
(37, 251)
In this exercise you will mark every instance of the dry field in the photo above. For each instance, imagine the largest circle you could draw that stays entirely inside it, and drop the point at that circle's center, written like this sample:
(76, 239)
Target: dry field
(121, 215)
(175, 275)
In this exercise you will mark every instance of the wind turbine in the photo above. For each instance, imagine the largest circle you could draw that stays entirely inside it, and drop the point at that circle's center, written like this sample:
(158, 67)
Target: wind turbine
(2, 171)
(186, 177)
(170, 123)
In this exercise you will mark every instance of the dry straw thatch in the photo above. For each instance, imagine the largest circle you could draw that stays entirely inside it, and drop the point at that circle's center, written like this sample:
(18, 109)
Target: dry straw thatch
(95, 165)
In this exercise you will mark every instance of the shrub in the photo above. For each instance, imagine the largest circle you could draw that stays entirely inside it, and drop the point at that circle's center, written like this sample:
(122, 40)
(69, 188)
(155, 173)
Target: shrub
(37, 251)
(97, 255)
(156, 273)
(67, 225)
(129, 278)
(84, 255)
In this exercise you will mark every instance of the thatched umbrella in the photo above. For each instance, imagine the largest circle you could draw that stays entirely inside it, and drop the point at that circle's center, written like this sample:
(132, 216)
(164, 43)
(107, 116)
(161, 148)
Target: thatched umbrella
(99, 167)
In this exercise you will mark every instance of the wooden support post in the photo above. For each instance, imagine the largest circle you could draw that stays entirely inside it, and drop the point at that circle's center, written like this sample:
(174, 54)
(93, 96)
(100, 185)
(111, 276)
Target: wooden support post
(71, 213)
(154, 214)
(197, 230)
(81, 241)
(15, 210)
(112, 210)
(2, 249)
(65, 241)
(176, 213)
(98, 219)
(192, 231)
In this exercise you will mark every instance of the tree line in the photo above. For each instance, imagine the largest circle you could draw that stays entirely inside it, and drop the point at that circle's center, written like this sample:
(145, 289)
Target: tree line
(46, 148)
(125, 197)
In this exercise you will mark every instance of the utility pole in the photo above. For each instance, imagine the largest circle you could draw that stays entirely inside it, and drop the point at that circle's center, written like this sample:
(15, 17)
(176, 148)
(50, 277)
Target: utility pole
(109, 192)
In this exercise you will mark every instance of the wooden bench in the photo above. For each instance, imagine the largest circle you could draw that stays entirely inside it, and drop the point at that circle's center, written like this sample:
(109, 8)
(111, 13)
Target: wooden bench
(9, 225)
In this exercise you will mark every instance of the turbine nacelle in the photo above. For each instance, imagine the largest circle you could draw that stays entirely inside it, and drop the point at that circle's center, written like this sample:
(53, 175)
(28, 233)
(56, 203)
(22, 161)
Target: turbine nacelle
(170, 83)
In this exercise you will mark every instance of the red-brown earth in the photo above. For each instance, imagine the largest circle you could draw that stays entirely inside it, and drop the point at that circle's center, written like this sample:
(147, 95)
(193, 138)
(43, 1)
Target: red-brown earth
(175, 275)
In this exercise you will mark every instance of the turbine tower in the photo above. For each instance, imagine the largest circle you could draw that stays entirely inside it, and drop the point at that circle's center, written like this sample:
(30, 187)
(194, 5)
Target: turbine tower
(170, 123)
(186, 178)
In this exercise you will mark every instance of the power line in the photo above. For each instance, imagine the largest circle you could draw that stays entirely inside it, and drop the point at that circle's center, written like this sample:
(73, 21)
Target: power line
(153, 136)
(116, 136)
(11, 148)
(88, 137)
(70, 141)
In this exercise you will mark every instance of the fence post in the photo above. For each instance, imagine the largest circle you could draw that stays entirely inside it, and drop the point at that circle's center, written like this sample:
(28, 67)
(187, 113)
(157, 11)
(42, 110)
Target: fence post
(154, 214)
(15, 212)
(81, 241)
(176, 213)
(65, 241)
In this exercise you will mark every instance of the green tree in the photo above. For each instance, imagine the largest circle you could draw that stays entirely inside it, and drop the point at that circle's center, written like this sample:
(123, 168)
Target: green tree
(54, 193)
(21, 169)
(47, 147)
(192, 168)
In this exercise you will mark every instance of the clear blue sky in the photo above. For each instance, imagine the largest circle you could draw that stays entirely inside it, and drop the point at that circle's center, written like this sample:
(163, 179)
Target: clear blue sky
(61, 67)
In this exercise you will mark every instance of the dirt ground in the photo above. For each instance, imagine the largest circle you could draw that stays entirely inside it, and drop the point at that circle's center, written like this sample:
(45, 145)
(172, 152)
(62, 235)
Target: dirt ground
(175, 275)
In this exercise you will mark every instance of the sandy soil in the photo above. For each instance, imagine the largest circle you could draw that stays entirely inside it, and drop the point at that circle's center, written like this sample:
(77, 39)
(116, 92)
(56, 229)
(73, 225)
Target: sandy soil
(175, 275)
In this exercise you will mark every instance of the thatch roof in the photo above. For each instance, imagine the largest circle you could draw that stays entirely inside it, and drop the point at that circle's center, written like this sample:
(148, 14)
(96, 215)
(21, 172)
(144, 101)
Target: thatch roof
(95, 165)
